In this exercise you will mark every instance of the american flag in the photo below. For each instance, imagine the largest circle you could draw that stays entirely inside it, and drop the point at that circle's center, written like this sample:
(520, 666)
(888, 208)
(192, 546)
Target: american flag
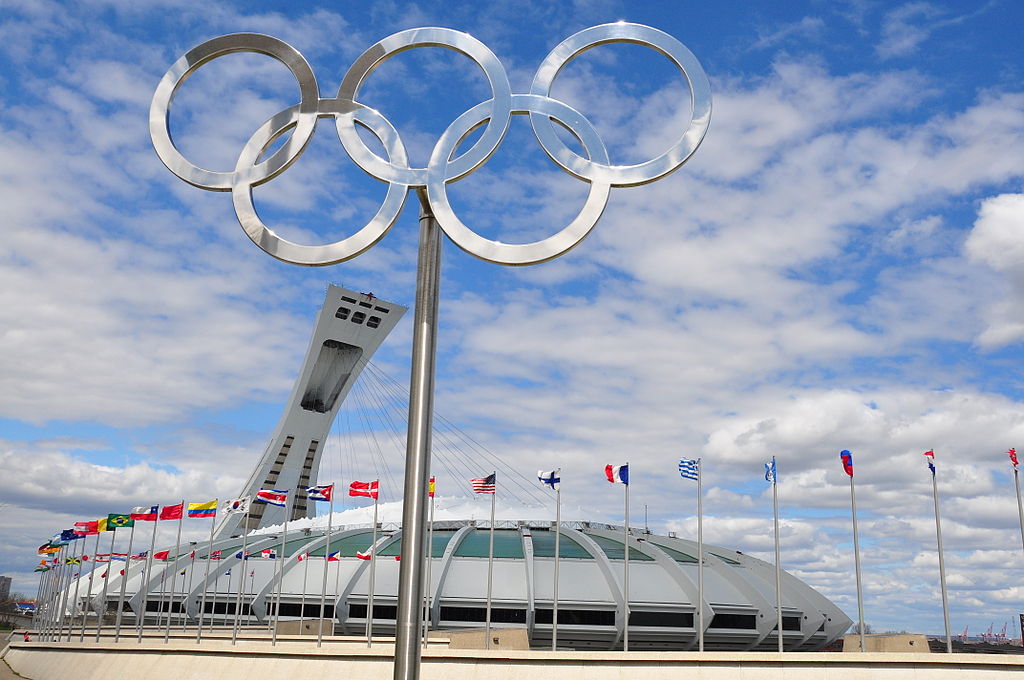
(485, 484)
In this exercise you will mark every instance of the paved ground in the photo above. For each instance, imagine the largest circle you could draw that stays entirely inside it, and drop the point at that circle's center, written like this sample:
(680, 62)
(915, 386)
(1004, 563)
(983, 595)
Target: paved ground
(7, 674)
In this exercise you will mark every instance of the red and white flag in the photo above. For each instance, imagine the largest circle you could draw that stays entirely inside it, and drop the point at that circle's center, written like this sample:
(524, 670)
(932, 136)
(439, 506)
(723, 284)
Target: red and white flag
(368, 489)
(364, 555)
(276, 497)
(486, 484)
(145, 514)
(1012, 453)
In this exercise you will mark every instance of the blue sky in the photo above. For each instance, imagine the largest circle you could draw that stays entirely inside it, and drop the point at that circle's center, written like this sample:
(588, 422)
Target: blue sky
(839, 266)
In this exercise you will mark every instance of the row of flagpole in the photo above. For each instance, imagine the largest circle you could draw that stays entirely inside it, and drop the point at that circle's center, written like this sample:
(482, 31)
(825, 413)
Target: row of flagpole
(688, 469)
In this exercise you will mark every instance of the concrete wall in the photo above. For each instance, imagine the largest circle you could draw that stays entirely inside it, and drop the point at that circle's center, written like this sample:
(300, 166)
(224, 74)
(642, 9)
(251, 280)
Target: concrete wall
(300, 658)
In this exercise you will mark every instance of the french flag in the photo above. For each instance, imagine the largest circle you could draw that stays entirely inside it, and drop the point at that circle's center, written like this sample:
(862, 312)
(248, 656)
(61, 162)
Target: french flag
(273, 497)
(617, 473)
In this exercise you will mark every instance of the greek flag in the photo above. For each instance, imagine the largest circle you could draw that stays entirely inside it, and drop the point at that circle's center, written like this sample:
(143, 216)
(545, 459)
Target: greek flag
(769, 471)
(689, 469)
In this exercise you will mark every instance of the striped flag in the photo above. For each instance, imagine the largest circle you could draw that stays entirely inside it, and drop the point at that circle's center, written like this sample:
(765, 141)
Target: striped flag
(930, 455)
(431, 486)
(847, 459)
(485, 484)
(617, 473)
(689, 469)
(144, 514)
(276, 497)
(208, 509)
(320, 493)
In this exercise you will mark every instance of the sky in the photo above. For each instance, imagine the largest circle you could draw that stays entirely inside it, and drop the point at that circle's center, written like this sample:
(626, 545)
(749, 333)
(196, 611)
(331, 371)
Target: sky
(839, 266)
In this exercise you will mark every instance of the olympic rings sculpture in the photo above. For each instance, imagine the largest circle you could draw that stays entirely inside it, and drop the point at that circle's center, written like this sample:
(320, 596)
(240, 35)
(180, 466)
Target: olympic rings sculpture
(444, 166)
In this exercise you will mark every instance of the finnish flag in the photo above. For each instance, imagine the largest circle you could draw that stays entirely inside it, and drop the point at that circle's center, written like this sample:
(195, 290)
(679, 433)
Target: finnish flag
(551, 478)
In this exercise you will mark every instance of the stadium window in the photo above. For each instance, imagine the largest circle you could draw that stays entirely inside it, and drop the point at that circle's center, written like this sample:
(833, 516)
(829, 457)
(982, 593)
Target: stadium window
(661, 619)
(342, 313)
(373, 321)
(358, 317)
(380, 611)
(577, 617)
(736, 621)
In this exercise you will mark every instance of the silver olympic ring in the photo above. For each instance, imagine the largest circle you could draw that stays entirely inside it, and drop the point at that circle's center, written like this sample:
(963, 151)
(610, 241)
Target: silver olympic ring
(299, 123)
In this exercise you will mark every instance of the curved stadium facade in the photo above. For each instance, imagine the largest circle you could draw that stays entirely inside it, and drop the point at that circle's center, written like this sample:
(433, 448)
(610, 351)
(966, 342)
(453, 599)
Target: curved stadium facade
(739, 591)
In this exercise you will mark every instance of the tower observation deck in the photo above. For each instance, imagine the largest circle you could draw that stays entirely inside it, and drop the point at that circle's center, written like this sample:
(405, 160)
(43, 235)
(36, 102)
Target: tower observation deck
(349, 329)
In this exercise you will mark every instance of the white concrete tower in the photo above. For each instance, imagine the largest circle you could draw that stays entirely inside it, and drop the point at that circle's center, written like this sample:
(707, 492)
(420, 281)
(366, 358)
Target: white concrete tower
(349, 329)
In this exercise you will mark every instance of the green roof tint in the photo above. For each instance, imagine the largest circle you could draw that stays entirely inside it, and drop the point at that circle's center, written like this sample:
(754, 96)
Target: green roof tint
(440, 543)
(348, 546)
(544, 546)
(613, 549)
(727, 560)
(391, 549)
(677, 555)
(507, 544)
(291, 547)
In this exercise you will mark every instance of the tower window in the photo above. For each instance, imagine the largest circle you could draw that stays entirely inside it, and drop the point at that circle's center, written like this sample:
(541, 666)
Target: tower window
(358, 317)
(373, 321)
(342, 313)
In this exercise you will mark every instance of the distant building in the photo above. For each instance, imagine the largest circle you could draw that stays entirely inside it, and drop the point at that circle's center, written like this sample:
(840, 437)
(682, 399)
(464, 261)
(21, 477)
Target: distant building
(5, 588)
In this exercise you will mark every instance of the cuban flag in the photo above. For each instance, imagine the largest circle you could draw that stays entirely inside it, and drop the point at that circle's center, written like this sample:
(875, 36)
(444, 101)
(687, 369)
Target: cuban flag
(320, 493)
(273, 497)
(552, 478)
(847, 459)
(930, 455)
(617, 473)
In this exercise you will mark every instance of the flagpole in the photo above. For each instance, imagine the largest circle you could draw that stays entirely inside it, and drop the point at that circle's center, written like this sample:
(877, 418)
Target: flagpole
(65, 591)
(145, 579)
(430, 560)
(106, 580)
(163, 596)
(174, 576)
(124, 583)
(188, 588)
(373, 571)
(279, 567)
(700, 556)
(856, 561)
(942, 565)
(92, 572)
(206, 578)
(323, 585)
(305, 578)
(490, 566)
(558, 535)
(55, 563)
(778, 554)
(74, 605)
(1020, 507)
(244, 562)
(625, 566)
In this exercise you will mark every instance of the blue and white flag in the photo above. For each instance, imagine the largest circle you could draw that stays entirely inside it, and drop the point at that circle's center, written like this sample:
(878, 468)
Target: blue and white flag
(769, 472)
(689, 469)
(552, 478)
(324, 492)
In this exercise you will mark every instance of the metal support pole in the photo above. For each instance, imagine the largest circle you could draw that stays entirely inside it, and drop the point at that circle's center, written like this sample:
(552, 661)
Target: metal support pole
(88, 598)
(490, 568)
(106, 580)
(373, 571)
(700, 557)
(417, 460)
(1020, 507)
(625, 571)
(279, 567)
(856, 562)
(323, 585)
(244, 563)
(778, 557)
(427, 581)
(558, 534)
(174, 575)
(942, 566)
(124, 583)
(141, 622)
(206, 579)
(78, 580)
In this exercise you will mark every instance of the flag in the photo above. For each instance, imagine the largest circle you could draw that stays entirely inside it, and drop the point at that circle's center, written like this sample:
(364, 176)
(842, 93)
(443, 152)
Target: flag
(72, 560)
(208, 509)
(617, 473)
(769, 472)
(87, 528)
(486, 484)
(85, 558)
(118, 521)
(192, 555)
(102, 525)
(215, 555)
(238, 555)
(930, 455)
(1013, 457)
(689, 469)
(141, 555)
(144, 514)
(334, 556)
(368, 489)
(47, 549)
(172, 511)
(364, 555)
(272, 497)
(302, 557)
(163, 555)
(320, 493)
(551, 478)
(431, 486)
(182, 572)
(236, 505)
(103, 575)
(69, 535)
(847, 458)
(268, 553)
(42, 567)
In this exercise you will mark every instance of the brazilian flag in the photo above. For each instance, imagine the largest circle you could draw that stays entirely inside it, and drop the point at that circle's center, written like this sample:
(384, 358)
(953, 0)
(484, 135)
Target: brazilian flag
(118, 521)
